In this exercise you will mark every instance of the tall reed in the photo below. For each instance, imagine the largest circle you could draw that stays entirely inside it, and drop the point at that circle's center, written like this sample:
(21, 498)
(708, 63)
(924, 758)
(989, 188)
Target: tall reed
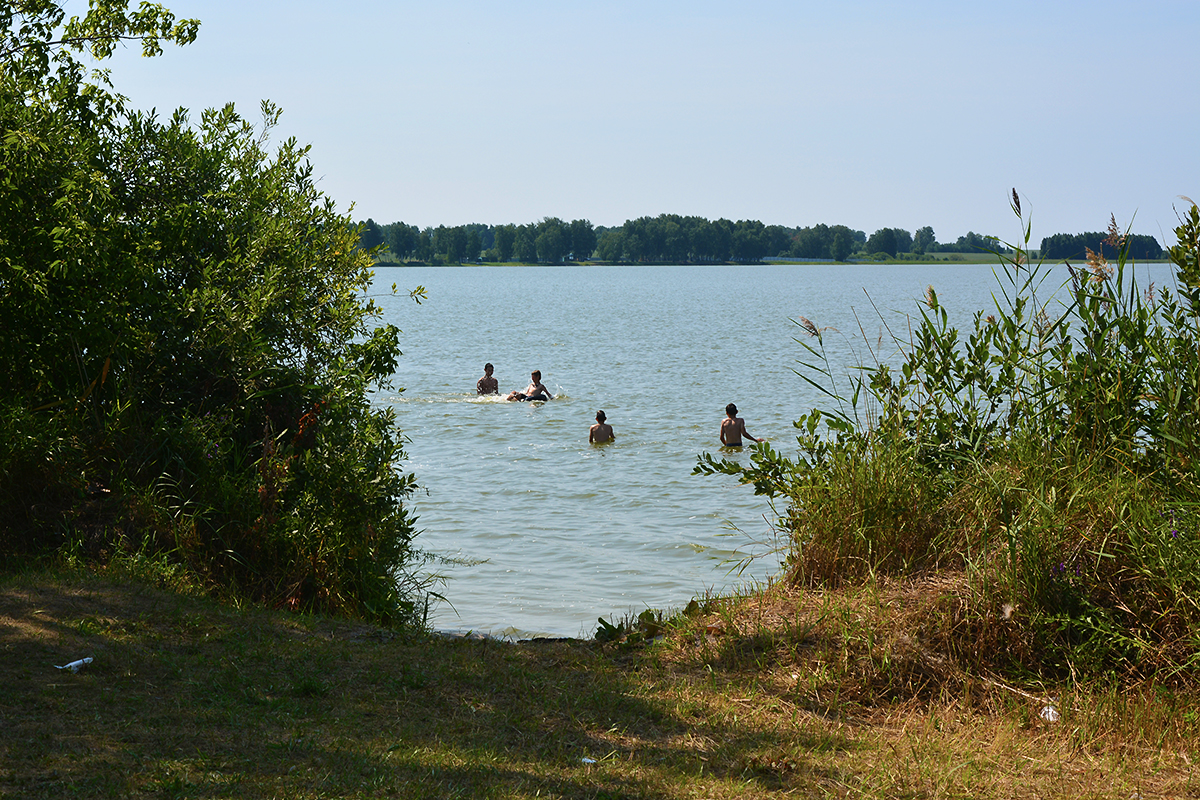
(1048, 451)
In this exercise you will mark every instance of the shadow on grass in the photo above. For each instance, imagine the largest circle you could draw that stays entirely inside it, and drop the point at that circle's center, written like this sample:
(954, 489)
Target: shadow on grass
(185, 698)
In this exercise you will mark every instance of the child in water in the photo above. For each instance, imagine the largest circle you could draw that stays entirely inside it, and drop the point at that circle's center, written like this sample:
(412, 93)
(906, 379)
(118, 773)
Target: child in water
(733, 428)
(487, 384)
(535, 390)
(601, 431)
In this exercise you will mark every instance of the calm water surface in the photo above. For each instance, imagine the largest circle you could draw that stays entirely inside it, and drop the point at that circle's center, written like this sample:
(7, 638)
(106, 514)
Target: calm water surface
(568, 531)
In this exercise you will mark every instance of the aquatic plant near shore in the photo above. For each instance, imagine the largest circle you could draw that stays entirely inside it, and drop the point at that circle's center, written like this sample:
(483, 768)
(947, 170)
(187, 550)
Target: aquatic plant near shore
(1053, 432)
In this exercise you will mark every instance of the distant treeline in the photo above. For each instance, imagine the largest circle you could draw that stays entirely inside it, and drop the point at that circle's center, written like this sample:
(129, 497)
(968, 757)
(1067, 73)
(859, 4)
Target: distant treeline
(1067, 246)
(550, 241)
(670, 238)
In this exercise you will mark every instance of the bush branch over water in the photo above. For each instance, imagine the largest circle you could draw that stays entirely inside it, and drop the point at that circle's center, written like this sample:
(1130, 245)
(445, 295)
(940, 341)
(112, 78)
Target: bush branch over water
(1049, 453)
(186, 340)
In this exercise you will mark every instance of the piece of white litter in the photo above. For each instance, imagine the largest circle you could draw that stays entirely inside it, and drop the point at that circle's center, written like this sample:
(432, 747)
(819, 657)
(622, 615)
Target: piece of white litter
(1049, 713)
(589, 760)
(75, 665)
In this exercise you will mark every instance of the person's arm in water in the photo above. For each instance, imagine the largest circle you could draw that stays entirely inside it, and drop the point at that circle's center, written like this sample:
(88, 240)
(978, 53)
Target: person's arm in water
(746, 433)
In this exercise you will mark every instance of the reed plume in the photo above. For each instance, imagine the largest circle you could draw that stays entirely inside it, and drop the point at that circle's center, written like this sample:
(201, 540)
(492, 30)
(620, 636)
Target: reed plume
(1098, 264)
(1115, 238)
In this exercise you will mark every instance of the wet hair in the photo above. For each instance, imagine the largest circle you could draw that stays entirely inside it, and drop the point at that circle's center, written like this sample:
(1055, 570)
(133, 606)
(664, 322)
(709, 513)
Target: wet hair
(600, 416)
(488, 366)
(731, 409)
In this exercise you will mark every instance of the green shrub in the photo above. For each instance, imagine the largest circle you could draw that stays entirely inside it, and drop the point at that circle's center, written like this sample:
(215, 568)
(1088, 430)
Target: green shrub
(1049, 452)
(189, 342)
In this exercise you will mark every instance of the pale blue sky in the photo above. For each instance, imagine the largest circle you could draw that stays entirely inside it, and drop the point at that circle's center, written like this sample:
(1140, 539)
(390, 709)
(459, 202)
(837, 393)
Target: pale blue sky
(867, 114)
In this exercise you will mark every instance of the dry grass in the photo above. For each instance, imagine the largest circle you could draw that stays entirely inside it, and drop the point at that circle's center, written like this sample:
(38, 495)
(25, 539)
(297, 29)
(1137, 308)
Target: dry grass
(784, 693)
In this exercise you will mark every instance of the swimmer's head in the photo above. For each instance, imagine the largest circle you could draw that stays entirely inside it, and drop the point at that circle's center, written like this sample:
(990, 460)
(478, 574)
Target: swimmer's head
(600, 416)
(731, 410)
(537, 373)
(488, 367)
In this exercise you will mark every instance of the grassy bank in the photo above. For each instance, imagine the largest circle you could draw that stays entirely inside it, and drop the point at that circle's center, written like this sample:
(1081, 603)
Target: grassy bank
(807, 693)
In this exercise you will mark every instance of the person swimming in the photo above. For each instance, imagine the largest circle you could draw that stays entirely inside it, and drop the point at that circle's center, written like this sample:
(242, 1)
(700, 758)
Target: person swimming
(534, 391)
(487, 384)
(733, 428)
(601, 432)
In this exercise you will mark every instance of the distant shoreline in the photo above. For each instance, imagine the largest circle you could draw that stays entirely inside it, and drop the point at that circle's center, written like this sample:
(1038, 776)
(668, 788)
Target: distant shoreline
(965, 259)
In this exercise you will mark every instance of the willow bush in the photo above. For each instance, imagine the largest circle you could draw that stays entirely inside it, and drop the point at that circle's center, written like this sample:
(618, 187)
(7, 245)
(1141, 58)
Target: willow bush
(1048, 451)
(188, 340)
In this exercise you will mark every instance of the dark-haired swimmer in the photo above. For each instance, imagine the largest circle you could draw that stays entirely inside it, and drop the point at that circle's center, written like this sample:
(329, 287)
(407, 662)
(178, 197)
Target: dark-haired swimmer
(534, 391)
(733, 428)
(601, 431)
(487, 384)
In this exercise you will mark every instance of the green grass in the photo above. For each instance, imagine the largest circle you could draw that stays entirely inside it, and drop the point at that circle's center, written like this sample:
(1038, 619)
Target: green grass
(804, 693)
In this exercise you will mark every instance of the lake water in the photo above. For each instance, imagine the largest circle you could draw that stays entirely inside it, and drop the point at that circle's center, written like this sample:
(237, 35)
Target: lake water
(567, 531)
